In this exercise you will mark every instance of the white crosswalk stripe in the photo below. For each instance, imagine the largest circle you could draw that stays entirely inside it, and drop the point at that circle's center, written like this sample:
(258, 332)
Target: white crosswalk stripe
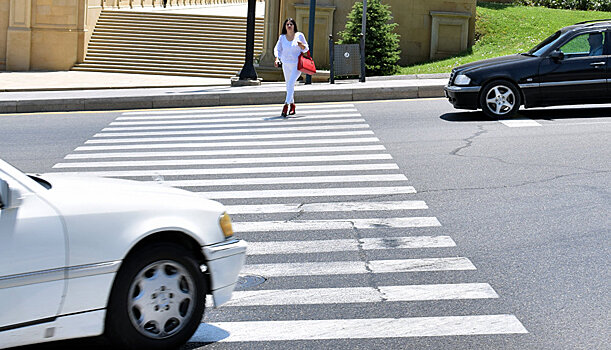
(311, 192)
(363, 294)
(286, 180)
(223, 161)
(260, 331)
(358, 267)
(339, 245)
(233, 131)
(224, 152)
(302, 225)
(301, 221)
(253, 170)
(234, 122)
(231, 137)
(229, 144)
(325, 207)
(217, 111)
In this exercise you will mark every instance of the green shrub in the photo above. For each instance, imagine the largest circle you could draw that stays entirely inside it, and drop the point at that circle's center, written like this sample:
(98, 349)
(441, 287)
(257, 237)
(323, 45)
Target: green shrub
(592, 5)
(381, 44)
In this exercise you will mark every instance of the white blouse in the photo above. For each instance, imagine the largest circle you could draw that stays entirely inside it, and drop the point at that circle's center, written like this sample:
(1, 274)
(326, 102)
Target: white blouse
(289, 51)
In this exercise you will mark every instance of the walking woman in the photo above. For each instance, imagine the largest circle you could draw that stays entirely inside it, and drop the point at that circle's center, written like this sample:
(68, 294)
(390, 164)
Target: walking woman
(287, 50)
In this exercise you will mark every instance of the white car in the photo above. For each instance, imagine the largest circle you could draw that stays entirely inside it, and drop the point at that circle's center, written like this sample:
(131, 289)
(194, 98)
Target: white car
(85, 256)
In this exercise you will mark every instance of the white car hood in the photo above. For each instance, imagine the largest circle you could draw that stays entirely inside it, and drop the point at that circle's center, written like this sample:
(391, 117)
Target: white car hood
(91, 184)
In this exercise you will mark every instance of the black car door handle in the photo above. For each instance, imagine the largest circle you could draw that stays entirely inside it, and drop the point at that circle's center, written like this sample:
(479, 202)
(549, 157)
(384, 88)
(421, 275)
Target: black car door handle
(598, 64)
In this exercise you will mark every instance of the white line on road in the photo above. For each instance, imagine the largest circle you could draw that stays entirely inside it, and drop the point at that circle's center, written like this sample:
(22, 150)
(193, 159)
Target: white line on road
(324, 207)
(232, 131)
(339, 224)
(286, 180)
(348, 245)
(519, 122)
(256, 121)
(224, 161)
(233, 137)
(358, 267)
(199, 125)
(254, 331)
(236, 109)
(224, 171)
(313, 296)
(228, 152)
(322, 192)
(230, 144)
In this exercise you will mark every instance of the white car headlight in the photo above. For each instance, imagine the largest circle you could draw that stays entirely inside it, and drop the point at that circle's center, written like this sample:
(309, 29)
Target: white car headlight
(462, 79)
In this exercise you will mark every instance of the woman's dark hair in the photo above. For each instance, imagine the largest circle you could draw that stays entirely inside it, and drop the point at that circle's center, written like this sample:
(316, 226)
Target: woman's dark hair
(287, 21)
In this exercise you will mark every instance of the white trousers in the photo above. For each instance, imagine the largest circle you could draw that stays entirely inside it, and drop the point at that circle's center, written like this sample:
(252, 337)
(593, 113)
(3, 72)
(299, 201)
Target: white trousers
(291, 74)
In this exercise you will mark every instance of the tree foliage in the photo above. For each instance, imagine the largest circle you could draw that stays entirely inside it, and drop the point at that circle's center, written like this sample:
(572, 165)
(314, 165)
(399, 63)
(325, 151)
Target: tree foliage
(592, 5)
(381, 44)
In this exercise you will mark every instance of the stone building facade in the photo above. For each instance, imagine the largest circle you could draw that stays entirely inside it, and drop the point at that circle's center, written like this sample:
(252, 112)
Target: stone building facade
(53, 34)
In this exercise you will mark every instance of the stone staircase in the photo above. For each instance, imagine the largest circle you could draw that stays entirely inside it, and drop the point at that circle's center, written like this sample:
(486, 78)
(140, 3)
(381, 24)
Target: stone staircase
(169, 44)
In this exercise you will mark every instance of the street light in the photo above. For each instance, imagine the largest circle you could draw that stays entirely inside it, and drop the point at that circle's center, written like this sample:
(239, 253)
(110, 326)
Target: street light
(248, 72)
(363, 32)
(311, 34)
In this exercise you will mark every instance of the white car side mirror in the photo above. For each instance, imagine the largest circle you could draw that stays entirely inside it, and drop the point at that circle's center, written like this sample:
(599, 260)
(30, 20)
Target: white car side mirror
(4, 195)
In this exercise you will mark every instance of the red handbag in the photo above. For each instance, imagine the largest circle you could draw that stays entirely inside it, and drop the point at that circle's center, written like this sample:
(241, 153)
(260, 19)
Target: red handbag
(306, 64)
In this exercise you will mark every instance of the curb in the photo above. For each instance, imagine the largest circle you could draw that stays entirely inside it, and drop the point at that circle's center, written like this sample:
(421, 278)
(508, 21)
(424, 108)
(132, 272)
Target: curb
(222, 98)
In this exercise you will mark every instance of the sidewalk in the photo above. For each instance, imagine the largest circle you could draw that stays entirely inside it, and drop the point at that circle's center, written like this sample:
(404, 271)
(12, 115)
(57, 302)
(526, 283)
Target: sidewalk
(24, 92)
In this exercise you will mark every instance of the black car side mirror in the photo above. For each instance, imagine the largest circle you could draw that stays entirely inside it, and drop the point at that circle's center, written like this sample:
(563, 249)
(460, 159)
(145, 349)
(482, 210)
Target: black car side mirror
(557, 55)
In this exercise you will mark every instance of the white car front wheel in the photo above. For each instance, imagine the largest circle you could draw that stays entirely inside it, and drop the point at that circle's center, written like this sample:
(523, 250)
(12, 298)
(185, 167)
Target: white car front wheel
(158, 299)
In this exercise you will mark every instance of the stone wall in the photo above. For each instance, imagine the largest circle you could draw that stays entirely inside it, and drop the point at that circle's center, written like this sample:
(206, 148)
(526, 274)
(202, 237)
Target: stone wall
(4, 19)
(414, 19)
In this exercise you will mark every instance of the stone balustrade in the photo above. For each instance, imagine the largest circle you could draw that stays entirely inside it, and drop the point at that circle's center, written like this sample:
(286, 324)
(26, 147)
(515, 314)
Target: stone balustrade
(160, 3)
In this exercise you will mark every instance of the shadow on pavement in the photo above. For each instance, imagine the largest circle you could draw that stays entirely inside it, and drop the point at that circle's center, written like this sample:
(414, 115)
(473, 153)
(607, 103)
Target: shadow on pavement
(567, 113)
(537, 113)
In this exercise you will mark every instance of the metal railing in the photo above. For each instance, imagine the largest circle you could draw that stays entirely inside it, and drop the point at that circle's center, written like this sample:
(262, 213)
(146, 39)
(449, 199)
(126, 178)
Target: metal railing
(160, 3)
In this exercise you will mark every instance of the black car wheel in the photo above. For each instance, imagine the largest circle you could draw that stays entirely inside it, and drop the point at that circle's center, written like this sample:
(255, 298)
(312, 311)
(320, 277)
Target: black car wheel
(500, 99)
(158, 299)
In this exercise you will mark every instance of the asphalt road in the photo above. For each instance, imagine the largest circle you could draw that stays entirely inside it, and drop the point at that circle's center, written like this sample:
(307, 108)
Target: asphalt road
(526, 201)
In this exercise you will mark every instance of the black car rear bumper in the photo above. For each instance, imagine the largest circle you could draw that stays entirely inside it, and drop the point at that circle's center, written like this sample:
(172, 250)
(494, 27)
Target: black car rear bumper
(463, 97)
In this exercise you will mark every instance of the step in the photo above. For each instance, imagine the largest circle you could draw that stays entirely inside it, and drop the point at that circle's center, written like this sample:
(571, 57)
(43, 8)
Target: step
(128, 46)
(180, 16)
(241, 24)
(158, 55)
(175, 62)
(162, 52)
(214, 24)
(172, 44)
(187, 30)
(139, 71)
(175, 38)
(163, 68)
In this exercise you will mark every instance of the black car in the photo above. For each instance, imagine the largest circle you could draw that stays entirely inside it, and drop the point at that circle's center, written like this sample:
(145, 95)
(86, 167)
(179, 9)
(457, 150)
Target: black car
(569, 67)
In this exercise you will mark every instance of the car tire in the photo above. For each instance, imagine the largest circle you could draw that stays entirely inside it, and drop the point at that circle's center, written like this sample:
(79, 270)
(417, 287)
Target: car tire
(500, 99)
(157, 300)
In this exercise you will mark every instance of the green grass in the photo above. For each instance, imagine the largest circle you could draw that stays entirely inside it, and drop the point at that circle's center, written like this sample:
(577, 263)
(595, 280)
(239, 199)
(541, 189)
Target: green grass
(507, 29)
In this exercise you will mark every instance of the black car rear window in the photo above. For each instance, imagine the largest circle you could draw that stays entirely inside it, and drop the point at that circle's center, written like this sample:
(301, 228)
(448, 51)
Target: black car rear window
(545, 44)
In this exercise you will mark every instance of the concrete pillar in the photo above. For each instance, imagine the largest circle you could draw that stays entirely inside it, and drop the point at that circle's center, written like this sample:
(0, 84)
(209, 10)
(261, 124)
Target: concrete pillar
(19, 36)
(270, 36)
(266, 69)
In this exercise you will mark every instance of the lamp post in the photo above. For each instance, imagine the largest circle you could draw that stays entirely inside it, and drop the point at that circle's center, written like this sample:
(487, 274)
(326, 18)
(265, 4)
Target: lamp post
(363, 33)
(248, 71)
(312, 20)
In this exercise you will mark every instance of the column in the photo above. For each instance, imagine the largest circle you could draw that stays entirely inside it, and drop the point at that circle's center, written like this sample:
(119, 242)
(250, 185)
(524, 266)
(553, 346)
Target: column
(270, 35)
(19, 36)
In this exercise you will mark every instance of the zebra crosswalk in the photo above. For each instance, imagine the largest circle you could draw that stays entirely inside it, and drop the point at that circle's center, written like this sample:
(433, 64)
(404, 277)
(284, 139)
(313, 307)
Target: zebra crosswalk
(330, 219)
